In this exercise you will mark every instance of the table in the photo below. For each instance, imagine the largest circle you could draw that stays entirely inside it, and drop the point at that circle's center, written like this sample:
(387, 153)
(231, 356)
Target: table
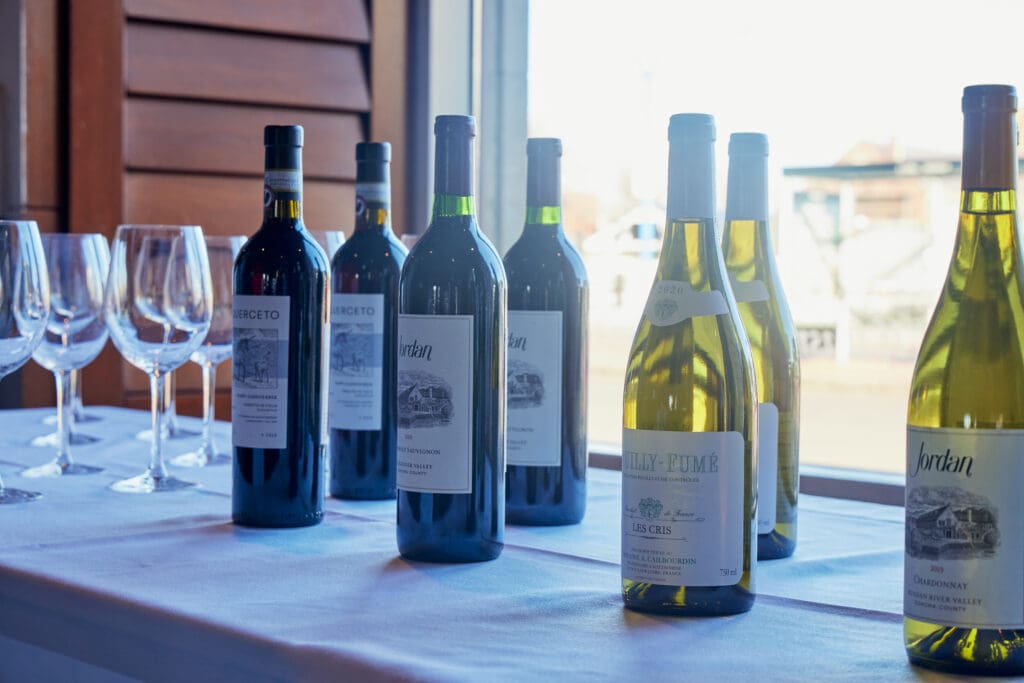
(109, 587)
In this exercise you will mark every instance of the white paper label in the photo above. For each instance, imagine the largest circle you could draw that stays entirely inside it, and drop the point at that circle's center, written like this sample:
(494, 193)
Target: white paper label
(534, 388)
(379, 193)
(259, 379)
(749, 292)
(435, 403)
(682, 507)
(672, 302)
(767, 465)
(964, 558)
(357, 361)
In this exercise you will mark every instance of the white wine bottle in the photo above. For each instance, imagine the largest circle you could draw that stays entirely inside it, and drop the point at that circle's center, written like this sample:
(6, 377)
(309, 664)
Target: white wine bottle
(690, 412)
(963, 586)
(762, 304)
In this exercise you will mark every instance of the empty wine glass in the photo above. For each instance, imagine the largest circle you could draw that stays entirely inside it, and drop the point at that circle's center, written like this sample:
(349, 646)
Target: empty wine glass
(216, 348)
(330, 240)
(75, 333)
(409, 240)
(24, 307)
(158, 304)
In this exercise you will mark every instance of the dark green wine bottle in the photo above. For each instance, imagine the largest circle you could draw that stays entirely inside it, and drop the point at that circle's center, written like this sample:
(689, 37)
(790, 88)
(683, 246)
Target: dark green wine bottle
(547, 356)
(451, 373)
(364, 338)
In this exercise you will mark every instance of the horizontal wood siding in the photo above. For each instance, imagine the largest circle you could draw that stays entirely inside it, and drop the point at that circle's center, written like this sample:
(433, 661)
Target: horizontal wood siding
(228, 206)
(344, 20)
(172, 61)
(200, 137)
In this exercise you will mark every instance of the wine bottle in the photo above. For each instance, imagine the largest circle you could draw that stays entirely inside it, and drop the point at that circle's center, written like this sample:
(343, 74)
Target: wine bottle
(547, 356)
(690, 412)
(755, 282)
(280, 318)
(451, 372)
(963, 597)
(364, 338)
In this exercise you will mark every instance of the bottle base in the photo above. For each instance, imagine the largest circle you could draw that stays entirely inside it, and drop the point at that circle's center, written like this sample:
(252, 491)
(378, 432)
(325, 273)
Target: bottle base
(956, 650)
(357, 494)
(774, 546)
(540, 517)
(448, 555)
(704, 601)
(277, 522)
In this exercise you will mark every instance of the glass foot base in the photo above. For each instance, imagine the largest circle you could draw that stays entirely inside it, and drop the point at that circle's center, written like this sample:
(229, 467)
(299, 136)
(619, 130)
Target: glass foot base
(8, 496)
(147, 434)
(79, 417)
(52, 440)
(147, 483)
(54, 469)
(200, 459)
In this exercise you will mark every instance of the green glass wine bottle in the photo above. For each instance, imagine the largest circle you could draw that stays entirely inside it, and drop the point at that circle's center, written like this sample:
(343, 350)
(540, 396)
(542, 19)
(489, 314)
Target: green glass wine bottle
(762, 304)
(690, 412)
(963, 591)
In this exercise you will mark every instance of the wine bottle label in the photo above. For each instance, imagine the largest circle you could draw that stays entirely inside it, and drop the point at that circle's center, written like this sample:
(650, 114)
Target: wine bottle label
(767, 465)
(534, 385)
(749, 292)
(259, 379)
(356, 391)
(682, 507)
(672, 302)
(964, 555)
(283, 184)
(435, 403)
(378, 193)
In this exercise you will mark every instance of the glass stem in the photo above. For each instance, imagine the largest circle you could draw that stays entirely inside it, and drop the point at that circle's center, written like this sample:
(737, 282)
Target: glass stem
(64, 417)
(209, 398)
(157, 470)
(170, 409)
(77, 405)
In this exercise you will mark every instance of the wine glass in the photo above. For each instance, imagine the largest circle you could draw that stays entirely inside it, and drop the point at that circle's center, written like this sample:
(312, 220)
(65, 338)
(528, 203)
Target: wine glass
(75, 333)
(24, 308)
(409, 240)
(330, 240)
(78, 415)
(216, 348)
(158, 304)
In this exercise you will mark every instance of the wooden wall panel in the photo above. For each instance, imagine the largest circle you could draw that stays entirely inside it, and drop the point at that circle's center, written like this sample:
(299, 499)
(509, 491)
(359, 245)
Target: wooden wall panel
(343, 20)
(201, 137)
(171, 61)
(228, 206)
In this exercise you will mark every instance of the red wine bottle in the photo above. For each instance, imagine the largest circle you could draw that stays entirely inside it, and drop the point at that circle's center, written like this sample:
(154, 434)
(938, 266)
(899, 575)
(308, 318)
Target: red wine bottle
(451, 373)
(547, 356)
(364, 338)
(280, 316)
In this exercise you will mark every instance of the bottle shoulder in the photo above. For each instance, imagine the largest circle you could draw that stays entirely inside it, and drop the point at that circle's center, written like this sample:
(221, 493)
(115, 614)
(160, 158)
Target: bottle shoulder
(451, 251)
(538, 259)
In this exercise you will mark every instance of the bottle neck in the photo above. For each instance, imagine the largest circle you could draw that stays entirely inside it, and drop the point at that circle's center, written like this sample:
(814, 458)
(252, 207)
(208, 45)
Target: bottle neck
(282, 185)
(544, 192)
(373, 196)
(746, 242)
(453, 176)
(690, 251)
(990, 151)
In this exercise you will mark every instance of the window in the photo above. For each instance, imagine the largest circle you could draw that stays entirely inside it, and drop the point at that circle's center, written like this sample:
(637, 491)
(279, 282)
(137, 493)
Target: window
(862, 108)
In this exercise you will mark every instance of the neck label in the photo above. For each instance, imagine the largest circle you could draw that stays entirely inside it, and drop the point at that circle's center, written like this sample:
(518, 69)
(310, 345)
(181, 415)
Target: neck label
(281, 185)
(672, 302)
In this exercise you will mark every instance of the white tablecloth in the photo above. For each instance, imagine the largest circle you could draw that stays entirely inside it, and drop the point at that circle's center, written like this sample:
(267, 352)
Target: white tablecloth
(164, 587)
